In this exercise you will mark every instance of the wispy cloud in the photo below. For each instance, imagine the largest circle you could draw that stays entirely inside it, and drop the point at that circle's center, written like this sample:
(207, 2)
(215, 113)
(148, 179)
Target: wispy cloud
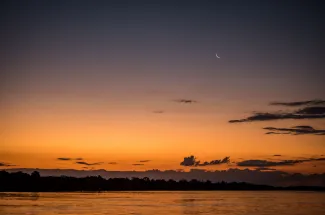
(64, 159)
(191, 161)
(267, 163)
(265, 169)
(138, 164)
(299, 103)
(311, 111)
(158, 111)
(277, 155)
(305, 113)
(69, 159)
(297, 130)
(144, 161)
(112, 163)
(88, 164)
(185, 101)
(2, 164)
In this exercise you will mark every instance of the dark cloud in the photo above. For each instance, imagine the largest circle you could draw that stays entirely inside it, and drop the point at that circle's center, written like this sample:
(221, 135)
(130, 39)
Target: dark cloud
(265, 169)
(311, 111)
(138, 164)
(191, 161)
(299, 103)
(277, 155)
(185, 101)
(266, 163)
(305, 113)
(112, 163)
(144, 161)
(64, 159)
(2, 164)
(297, 130)
(69, 159)
(275, 133)
(303, 127)
(88, 164)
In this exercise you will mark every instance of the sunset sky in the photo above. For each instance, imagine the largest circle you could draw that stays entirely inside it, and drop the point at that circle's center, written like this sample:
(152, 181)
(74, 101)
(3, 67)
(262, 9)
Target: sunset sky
(136, 85)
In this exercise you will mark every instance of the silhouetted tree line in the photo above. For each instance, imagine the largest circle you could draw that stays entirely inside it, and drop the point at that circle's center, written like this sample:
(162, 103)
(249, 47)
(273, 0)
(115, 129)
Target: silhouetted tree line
(23, 182)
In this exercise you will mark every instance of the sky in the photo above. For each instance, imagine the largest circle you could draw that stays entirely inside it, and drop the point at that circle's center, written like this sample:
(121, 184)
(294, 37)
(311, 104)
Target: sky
(136, 85)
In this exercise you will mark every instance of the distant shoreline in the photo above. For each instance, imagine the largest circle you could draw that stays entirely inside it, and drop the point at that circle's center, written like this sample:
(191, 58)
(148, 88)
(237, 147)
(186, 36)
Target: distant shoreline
(23, 182)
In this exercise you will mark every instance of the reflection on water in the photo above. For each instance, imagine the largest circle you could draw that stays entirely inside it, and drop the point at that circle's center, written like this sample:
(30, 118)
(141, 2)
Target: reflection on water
(171, 203)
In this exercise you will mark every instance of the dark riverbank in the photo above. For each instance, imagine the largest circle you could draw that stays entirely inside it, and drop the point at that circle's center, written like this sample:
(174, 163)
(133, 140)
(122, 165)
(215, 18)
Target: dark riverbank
(23, 182)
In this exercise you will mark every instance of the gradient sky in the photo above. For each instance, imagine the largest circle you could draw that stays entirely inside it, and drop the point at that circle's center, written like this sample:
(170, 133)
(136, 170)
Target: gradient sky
(88, 79)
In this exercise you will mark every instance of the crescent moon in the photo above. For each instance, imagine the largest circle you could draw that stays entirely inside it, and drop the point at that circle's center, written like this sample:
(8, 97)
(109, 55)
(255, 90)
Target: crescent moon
(217, 56)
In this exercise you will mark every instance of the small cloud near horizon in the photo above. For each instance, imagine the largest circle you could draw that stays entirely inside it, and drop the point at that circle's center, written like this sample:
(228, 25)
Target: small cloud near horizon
(144, 161)
(186, 101)
(265, 169)
(191, 161)
(267, 163)
(3, 164)
(70, 159)
(112, 163)
(296, 130)
(88, 164)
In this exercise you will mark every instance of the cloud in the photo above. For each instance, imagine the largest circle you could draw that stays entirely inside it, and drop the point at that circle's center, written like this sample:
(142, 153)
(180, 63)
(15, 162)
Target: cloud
(266, 163)
(112, 163)
(277, 155)
(299, 103)
(69, 159)
(297, 130)
(138, 164)
(303, 127)
(64, 159)
(2, 164)
(305, 113)
(265, 169)
(185, 101)
(158, 111)
(144, 161)
(311, 111)
(88, 164)
(191, 161)
(273, 133)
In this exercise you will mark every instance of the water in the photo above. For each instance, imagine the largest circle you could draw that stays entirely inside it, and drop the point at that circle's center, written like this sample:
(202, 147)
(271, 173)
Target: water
(170, 203)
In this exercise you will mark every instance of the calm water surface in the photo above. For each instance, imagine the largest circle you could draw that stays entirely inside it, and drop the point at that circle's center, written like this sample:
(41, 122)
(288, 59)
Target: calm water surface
(171, 203)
